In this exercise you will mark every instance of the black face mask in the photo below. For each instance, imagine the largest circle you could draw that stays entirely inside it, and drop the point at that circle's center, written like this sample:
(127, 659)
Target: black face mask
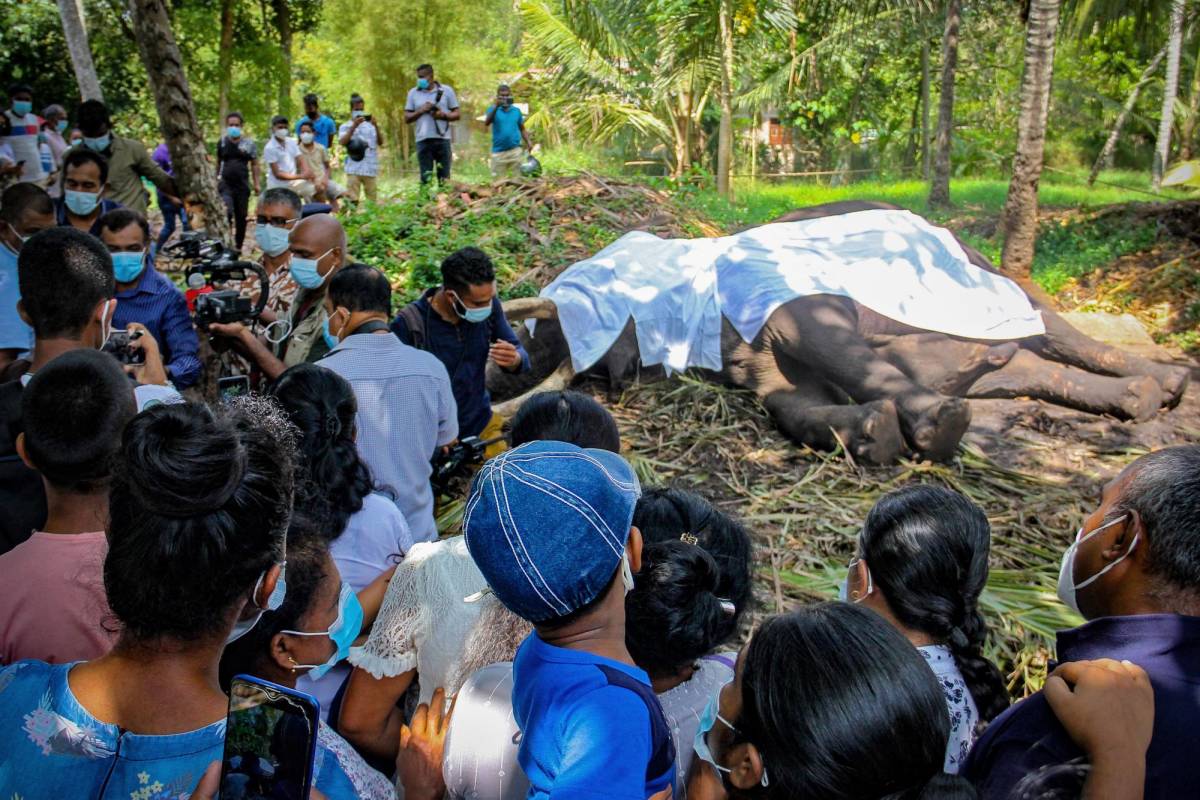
(508, 101)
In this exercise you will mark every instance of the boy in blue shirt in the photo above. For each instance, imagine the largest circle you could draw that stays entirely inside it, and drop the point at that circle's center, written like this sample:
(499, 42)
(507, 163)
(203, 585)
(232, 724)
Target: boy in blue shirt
(550, 527)
(508, 133)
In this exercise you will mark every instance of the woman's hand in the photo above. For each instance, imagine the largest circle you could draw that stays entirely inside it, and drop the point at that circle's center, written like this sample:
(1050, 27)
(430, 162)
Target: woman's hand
(422, 744)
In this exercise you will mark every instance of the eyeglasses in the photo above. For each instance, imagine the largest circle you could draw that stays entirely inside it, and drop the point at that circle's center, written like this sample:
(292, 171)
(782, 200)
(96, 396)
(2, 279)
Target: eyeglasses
(278, 222)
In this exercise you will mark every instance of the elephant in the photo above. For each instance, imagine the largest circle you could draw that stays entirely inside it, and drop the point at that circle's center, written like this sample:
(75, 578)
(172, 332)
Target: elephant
(832, 372)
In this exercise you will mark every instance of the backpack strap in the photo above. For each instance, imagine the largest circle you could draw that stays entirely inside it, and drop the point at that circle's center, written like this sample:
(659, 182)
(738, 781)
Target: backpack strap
(415, 322)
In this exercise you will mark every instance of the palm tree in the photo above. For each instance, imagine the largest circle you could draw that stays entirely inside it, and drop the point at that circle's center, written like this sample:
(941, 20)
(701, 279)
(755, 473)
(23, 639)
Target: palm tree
(75, 32)
(1104, 160)
(1162, 148)
(725, 133)
(939, 188)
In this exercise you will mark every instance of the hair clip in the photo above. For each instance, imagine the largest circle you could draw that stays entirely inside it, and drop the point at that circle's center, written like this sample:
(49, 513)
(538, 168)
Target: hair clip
(727, 606)
(689, 538)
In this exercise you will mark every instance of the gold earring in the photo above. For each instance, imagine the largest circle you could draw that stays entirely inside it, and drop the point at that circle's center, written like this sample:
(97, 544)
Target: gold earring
(294, 664)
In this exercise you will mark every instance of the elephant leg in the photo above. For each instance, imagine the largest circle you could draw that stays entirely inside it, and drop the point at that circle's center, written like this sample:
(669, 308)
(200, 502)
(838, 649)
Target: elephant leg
(942, 363)
(821, 332)
(1063, 343)
(1028, 375)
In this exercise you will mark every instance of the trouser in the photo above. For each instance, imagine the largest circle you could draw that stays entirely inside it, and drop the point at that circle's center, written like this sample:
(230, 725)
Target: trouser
(237, 204)
(169, 211)
(507, 161)
(367, 184)
(430, 151)
(301, 187)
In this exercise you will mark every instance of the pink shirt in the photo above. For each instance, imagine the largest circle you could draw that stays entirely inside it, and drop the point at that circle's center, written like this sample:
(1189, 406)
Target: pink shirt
(52, 602)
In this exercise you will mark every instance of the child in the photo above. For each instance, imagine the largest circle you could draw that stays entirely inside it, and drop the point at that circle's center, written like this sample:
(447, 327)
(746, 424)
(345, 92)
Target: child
(52, 601)
(549, 526)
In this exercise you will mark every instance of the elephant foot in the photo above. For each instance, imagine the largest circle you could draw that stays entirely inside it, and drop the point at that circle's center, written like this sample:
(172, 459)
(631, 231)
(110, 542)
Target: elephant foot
(981, 360)
(1174, 382)
(878, 439)
(869, 432)
(1142, 399)
(936, 428)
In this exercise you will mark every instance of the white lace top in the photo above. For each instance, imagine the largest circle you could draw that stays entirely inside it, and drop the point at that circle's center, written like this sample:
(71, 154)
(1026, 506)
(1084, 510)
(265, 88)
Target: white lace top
(684, 704)
(964, 716)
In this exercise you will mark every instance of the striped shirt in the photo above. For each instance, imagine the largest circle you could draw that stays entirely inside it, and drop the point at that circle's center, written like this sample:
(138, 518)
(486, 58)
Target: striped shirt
(156, 303)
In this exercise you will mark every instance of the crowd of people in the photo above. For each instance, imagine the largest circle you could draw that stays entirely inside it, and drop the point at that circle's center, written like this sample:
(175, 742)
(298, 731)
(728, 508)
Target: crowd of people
(579, 638)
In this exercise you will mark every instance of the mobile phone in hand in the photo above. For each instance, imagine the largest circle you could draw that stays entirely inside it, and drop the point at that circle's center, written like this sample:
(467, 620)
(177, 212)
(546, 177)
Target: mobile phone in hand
(270, 740)
(233, 386)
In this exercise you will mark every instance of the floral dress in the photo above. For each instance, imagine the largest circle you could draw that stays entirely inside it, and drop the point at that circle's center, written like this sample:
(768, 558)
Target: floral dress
(53, 748)
(964, 716)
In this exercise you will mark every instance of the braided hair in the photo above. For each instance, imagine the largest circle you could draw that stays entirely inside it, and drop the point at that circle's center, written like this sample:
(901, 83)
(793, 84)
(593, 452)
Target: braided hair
(927, 548)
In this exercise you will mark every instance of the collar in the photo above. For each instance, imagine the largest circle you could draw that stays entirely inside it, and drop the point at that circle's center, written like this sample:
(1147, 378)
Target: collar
(1170, 640)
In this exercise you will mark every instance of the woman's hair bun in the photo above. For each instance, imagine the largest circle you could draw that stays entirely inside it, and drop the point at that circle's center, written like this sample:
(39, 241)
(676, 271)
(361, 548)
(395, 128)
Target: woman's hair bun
(944, 786)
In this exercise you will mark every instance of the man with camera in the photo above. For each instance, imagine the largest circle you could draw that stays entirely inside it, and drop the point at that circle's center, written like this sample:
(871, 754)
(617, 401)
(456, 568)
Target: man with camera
(431, 106)
(362, 161)
(509, 139)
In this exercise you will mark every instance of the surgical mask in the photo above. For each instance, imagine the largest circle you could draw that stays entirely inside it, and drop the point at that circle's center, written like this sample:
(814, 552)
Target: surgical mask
(271, 239)
(626, 573)
(281, 133)
(244, 626)
(470, 314)
(61, 125)
(306, 137)
(1067, 587)
(23, 239)
(127, 266)
(330, 340)
(76, 142)
(304, 271)
(844, 586)
(22, 107)
(422, 83)
(342, 632)
(233, 132)
(97, 143)
(356, 113)
(81, 203)
(105, 326)
(700, 744)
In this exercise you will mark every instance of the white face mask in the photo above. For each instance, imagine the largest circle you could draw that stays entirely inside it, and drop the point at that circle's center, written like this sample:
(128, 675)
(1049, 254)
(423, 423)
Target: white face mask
(244, 626)
(281, 133)
(1067, 587)
(105, 322)
(844, 586)
(626, 573)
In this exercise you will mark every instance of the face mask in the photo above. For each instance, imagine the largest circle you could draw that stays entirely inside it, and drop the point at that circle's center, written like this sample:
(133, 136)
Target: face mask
(271, 239)
(330, 340)
(105, 327)
(22, 107)
(470, 314)
(127, 266)
(22, 239)
(508, 101)
(304, 271)
(700, 743)
(82, 203)
(422, 83)
(244, 626)
(233, 132)
(356, 114)
(306, 137)
(1066, 573)
(76, 142)
(281, 133)
(61, 125)
(97, 143)
(343, 632)
(626, 573)
(844, 586)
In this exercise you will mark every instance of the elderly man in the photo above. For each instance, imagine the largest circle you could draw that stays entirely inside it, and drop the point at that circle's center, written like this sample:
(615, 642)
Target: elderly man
(318, 248)
(25, 209)
(1133, 572)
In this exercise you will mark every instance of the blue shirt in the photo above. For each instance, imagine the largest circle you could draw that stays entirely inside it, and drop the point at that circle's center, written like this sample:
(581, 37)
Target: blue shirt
(14, 333)
(1028, 735)
(106, 205)
(463, 349)
(591, 727)
(506, 128)
(324, 128)
(157, 303)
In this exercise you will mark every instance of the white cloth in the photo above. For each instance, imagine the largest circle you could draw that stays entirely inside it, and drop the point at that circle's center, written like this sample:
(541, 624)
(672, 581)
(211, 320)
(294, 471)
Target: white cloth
(684, 704)
(893, 262)
(964, 716)
(284, 154)
(24, 143)
(369, 165)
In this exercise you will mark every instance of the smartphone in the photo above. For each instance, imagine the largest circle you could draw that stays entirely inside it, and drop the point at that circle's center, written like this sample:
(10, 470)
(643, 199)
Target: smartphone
(270, 740)
(117, 345)
(233, 386)
(367, 117)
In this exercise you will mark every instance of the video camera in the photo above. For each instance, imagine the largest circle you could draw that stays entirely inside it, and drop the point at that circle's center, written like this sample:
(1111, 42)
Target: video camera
(457, 460)
(213, 264)
(117, 345)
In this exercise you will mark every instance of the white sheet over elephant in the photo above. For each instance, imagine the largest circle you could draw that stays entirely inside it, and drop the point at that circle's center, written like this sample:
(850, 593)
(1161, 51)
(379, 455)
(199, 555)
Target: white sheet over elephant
(676, 290)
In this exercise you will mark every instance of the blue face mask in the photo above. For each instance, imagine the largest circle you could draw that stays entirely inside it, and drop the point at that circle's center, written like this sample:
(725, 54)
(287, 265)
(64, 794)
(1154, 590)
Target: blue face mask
(422, 83)
(271, 239)
(470, 314)
(330, 340)
(61, 125)
(81, 203)
(233, 132)
(304, 271)
(127, 266)
(700, 744)
(244, 626)
(342, 632)
(97, 143)
(22, 107)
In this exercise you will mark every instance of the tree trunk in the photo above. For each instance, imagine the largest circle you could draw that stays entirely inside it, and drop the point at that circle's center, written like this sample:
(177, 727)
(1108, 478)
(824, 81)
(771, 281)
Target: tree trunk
(925, 163)
(939, 189)
(1021, 207)
(1187, 131)
(176, 114)
(1162, 150)
(283, 25)
(725, 132)
(1104, 160)
(225, 62)
(75, 32)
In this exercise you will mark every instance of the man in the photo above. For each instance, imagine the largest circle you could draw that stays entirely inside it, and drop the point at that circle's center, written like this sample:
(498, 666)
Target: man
(23, 134)
(128, 161)
(1133, 572)
(278, 211)
(431, 106)
(285, 169)
(66, 281)
(237, 168)
(55, 126)
(85, 176)
(318, 248)
(324, 128)
(24, 210)
(146, 296)
(171, 211)
(461, 323)
(360, 172)
(509, 139)
(405, 405)
(316, 156)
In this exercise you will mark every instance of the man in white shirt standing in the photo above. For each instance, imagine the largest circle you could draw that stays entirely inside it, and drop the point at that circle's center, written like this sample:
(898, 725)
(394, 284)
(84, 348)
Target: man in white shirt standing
(285, 168)
(23, 138)
(432, 106)
(361, 171)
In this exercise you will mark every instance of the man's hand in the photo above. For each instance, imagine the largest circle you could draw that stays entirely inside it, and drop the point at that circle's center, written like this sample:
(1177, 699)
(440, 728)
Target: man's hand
(152, 372)
(504, 355)
(427, 107)
(419, 761)
(236, 331)
(1106, 706)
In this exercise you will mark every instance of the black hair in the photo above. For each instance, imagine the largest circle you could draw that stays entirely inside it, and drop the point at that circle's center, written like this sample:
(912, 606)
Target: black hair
(312, 98)
(565, 416)
(237, 114)
(307, 122)
(63, 273)
(198, 510)
(91, 116)
(333, 479)
(277, 120)
(84, 155)
(121, 218)
(24, 198)
(927, 549)
(360, 287)
(1164, 490)
(840, 705)
(467, 267)
(425, 66)
(282, 194)
(356, 98)
(19, 88)
(73, 412)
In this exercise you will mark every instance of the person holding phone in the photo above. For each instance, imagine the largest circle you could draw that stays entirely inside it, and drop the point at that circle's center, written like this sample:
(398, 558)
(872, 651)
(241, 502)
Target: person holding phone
(430, 108)
(360, 172)
(509, 139)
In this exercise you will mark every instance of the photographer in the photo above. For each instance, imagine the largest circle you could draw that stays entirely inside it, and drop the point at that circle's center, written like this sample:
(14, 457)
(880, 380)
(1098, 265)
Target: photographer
(147, 297)
(509, 139)
(431, 106)
(360, 172)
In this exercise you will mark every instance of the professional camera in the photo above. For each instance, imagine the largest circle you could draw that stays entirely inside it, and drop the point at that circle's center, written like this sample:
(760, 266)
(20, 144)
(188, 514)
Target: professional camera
(117, 346)
(457, 460)
(214, 265)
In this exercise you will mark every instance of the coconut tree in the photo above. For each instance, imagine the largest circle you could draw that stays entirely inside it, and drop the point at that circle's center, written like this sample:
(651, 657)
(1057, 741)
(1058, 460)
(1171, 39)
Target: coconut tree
(1104, 160)
(1162, 147)
(75, 32)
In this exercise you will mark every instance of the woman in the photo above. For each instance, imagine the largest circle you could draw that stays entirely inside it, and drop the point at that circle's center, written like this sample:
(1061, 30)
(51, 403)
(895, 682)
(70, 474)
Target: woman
(832, 702)
(922, 564)
(198, 511)
(565, 416)
(369, 534)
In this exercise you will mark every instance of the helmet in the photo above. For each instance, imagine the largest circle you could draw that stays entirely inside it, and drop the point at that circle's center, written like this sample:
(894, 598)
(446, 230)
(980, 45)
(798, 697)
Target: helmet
(531, 167)
(357, 149)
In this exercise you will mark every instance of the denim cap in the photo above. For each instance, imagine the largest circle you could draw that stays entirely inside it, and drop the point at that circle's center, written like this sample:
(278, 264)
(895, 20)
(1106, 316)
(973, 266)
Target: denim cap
(547, 524)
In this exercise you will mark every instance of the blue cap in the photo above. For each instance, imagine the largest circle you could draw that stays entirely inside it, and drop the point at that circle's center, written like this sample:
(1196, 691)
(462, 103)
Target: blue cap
(547, 524)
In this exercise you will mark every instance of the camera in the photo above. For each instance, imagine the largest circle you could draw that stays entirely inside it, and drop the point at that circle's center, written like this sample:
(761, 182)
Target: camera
(117, 346)
(213, 265)
(457, 461)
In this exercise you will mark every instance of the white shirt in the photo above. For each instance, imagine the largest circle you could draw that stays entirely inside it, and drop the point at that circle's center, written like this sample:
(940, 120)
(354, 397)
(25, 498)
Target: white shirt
(284, 154)
(24, 143)
(426, 127)
(369, 165)
(964, 716)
